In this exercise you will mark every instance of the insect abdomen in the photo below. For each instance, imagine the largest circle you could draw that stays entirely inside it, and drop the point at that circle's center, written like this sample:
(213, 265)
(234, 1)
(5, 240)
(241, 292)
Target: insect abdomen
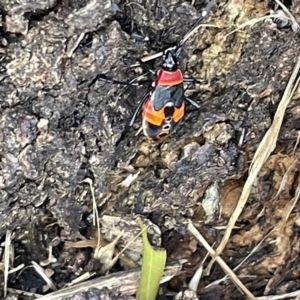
(157, 124)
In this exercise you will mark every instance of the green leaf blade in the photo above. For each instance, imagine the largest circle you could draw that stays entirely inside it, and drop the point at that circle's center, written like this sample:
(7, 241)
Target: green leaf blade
(154, 261)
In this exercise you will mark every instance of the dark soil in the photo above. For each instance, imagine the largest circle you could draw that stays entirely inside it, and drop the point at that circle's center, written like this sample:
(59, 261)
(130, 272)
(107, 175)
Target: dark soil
(59, 125)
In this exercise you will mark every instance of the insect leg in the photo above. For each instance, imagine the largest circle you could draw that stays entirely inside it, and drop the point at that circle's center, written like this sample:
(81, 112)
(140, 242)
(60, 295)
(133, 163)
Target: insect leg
(133, 119)
(188, 80)
(193, 103)
(146, 67)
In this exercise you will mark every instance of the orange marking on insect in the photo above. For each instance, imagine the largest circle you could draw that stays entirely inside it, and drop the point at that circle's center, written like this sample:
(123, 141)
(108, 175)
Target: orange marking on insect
(157, 117)
(179, 113)
(152, 116)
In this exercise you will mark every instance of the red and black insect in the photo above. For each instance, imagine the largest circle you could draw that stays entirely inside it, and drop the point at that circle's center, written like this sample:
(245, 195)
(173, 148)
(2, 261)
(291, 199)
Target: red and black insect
(164, 107)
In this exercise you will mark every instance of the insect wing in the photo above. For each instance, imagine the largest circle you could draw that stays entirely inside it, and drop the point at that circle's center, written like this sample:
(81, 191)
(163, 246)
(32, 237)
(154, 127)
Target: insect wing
(163, 95)
(159, 123)
(164, 126)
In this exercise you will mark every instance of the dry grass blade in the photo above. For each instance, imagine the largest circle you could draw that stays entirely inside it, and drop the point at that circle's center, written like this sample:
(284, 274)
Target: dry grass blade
(50, 259)
(16, 269)
(81, 244)
(81, 278)
(139, 131)
(81, 36)
(105, 254)
(24, 293)
(119, 254)
(41, 272)
(95, 213)
(127, 245)
(6, 259)
(279, 297)
(124, 282)
(262, 153)
(295, 23)
(221, 262)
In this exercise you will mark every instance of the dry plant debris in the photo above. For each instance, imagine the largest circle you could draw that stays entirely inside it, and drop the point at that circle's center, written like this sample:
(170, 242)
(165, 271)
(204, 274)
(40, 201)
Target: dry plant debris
(67, 196)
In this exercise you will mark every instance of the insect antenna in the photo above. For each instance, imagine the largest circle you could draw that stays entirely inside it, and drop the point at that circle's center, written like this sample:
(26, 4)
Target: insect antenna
(113, 81)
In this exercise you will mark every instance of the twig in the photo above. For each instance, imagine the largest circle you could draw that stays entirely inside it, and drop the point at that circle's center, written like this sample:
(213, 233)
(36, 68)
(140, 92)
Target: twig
(220, 261)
